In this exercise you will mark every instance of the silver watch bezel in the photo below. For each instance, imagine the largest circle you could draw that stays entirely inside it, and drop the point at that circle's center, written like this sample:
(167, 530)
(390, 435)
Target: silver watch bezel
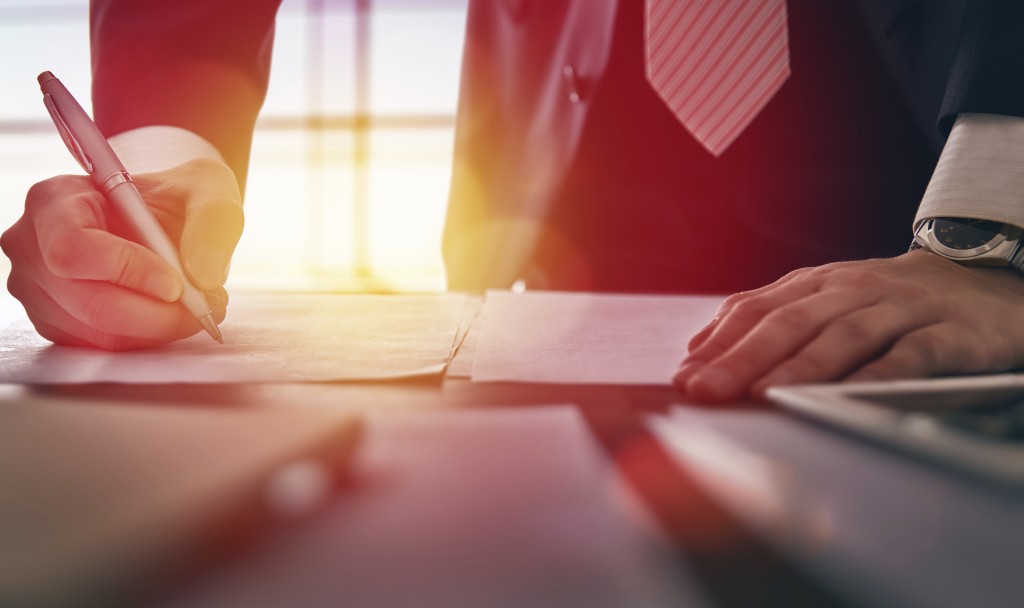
(998, 251)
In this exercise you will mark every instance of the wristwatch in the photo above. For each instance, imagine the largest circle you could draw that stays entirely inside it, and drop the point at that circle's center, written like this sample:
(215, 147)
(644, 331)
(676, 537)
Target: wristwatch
(972, 242)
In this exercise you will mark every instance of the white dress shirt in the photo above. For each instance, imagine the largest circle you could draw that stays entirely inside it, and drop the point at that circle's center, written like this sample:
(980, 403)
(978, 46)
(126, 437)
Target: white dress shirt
(980, 173)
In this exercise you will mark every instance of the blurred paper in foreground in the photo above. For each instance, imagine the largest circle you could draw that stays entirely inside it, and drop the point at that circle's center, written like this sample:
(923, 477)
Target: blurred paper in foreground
(267, 338)
(102, 502)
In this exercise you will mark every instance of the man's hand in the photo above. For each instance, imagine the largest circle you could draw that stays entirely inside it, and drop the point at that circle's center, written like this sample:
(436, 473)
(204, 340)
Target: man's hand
(915, 315)
(83, 278)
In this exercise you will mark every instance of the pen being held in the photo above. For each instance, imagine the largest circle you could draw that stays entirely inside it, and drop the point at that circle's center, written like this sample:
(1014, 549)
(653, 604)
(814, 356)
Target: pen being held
(90, 148)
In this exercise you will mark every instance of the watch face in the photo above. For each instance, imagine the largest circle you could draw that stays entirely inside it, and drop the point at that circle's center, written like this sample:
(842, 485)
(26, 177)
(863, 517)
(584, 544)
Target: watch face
(962, 233)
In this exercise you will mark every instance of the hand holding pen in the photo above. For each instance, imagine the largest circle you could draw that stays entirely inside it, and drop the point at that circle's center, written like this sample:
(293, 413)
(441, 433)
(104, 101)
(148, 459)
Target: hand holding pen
(90, 269)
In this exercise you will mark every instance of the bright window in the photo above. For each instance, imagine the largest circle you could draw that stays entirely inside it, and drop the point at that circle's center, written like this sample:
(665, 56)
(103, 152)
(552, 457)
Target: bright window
(352, 153)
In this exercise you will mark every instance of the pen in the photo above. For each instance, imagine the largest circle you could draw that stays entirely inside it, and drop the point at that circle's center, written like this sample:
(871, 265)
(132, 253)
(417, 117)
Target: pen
(91, 150)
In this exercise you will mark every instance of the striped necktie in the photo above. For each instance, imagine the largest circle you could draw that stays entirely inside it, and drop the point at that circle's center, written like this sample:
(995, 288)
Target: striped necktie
(716, 63)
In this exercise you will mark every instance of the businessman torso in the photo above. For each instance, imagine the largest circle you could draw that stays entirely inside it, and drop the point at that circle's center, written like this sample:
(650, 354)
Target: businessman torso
(609, 191)
(606, 190)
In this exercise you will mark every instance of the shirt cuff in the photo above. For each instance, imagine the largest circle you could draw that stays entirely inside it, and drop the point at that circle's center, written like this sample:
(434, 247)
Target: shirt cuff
(159, 147)
(980, 173)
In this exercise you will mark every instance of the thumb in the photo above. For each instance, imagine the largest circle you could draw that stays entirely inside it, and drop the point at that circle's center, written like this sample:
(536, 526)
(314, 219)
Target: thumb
(213, 219)
(212, 229)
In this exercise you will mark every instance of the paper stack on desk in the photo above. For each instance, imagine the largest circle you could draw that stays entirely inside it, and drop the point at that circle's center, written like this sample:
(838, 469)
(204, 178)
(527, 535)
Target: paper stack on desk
(580, 338)
(267, 338)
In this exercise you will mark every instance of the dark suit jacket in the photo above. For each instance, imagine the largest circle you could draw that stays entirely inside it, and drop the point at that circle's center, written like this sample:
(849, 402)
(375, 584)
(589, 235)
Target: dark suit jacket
(524, 150)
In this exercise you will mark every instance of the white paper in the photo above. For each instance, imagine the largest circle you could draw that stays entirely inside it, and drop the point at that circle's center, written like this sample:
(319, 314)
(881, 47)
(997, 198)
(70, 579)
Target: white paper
(574, 338)
(267, 338)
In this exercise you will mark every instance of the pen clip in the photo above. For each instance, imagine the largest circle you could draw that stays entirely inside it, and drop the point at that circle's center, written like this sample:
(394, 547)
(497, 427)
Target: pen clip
(65, 134)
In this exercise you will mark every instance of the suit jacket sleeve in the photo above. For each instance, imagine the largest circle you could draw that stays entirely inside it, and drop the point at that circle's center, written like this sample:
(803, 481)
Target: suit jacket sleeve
(987, 75)
(200, 65)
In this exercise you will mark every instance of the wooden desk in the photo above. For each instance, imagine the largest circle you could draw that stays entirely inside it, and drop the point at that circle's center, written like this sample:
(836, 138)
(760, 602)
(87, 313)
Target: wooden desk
(902, 533)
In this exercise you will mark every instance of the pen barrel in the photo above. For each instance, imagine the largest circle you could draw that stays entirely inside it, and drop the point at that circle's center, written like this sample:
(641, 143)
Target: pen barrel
(132, 207)
(89, 146)
(130, 204)
(80, 133)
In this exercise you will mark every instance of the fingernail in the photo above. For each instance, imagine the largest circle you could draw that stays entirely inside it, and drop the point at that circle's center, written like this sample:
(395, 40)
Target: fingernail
(714, 383)
(686, 369)
(208, 267)
(163, 286)
(709, 325)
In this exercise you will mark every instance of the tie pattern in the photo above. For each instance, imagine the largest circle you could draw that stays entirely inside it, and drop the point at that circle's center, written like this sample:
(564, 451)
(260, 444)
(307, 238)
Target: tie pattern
(716, 63)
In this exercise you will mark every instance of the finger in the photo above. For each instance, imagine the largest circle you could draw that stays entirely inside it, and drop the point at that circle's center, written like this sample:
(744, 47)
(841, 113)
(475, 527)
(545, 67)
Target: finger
(111, 309)
(844, 345)
(74, 244)
(740, 317)
(779, 335)
(100, 256)
(941, 348)
(208, 192)
(218, 301)
(56, 325)
(698, 338)
(108, 342)
(56, 335)
(701, 336)
(18, 240)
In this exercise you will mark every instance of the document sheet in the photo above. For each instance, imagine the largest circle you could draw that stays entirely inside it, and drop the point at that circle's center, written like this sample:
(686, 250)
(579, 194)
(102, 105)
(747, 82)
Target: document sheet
(267, 338)
(575, 338)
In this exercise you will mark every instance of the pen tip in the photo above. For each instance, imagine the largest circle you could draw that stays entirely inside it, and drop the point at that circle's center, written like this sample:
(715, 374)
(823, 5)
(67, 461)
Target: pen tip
(206, 321)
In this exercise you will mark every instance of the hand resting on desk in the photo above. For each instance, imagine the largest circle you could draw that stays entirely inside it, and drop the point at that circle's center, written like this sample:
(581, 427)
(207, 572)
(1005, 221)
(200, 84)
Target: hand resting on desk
(915, 315)
(85, 281)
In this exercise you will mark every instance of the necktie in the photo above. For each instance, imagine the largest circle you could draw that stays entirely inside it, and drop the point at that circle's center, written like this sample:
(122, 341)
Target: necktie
(716, 63)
